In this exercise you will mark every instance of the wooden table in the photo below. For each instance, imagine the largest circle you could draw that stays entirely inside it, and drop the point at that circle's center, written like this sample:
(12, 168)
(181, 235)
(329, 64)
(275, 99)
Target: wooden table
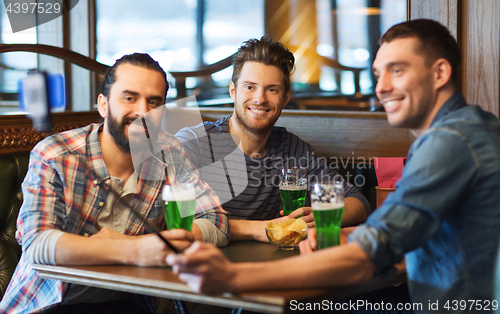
(161, 282)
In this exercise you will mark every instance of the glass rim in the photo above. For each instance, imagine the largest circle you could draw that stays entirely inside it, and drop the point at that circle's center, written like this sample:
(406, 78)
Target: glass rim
(284, 171)
(179, 184)
(329, 183)
(293, 168)
(181, 189)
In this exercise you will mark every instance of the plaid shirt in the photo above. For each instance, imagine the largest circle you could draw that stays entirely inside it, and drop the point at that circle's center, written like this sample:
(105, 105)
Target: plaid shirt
(60, 192)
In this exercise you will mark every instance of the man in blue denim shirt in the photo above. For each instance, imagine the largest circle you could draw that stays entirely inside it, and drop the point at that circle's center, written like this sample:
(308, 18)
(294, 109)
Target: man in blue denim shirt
(444, 216)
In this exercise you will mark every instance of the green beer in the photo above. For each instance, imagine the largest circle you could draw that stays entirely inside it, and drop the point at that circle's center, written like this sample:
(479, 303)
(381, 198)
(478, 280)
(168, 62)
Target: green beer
(179, 206)
(292, 198)
(293, 188)
(327, 218)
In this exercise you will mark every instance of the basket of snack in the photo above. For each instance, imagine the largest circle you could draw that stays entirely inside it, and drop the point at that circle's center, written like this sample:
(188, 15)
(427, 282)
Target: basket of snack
(287, 234)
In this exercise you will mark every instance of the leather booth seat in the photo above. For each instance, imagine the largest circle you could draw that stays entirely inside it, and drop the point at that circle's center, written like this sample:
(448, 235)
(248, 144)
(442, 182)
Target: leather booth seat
(13, 167)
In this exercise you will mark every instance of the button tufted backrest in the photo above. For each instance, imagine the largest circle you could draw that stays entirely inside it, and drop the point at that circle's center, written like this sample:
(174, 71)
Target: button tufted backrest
(13, 167)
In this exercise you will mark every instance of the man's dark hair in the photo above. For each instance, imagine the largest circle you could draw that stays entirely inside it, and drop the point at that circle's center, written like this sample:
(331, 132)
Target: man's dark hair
(138, 59)
(435, 42)
(264, 51)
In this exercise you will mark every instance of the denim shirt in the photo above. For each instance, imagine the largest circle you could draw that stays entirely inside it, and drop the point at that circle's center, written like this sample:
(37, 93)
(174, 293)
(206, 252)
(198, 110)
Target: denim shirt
(444, 216)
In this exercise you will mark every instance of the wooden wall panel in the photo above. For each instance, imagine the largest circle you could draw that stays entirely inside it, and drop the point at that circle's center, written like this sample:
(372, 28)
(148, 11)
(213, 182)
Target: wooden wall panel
(428, 9)
(481, 66)
(475, 26)
(447, 12)
(449, 15)
(346, 135)
(359, 137)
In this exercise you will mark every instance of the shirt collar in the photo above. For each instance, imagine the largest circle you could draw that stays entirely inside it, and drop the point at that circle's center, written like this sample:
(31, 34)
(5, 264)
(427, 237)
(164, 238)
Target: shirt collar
(455, 102)
(131, 186)
(95, 160)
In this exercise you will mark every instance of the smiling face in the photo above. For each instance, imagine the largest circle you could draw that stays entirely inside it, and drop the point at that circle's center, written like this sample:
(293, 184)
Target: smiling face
(259, 96)
(406, 84)
(135, 92)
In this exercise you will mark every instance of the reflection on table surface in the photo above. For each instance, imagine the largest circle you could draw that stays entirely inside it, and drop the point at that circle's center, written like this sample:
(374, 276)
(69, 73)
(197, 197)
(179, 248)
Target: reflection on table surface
(252, 251)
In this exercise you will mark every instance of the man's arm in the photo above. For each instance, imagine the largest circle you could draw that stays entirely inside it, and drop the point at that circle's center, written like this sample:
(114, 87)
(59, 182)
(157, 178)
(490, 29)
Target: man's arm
(52, 193)
(354, 213)
(242, 229)
(44, 209)
(211, 223)
(205, 269)
(111, 247)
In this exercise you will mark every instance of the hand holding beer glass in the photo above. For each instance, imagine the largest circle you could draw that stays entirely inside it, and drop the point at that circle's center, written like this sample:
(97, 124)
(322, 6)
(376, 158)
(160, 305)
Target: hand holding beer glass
(327, 202)
(179, 205)
(293, 189)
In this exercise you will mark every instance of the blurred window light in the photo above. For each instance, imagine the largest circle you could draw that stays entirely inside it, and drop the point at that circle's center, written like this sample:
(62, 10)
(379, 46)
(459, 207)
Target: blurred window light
(325, 50)
(361, 54)
(167, 30)
(14, 65)
(350, 33)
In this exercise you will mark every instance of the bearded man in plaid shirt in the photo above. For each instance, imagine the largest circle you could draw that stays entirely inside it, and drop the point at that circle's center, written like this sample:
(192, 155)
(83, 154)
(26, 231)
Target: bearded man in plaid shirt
(70, 217)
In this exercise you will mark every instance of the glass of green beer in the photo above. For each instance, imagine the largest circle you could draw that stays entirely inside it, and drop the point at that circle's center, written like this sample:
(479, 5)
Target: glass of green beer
(327, 202)
(293, 189)
(179, 205)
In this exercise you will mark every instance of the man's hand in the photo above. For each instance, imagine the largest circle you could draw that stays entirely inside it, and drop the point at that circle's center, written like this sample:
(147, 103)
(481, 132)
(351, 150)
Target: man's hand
(251, 229)
(204, 268)
(152, 251)
(305, 212)
(181, 239)
(354, 213)
(308, 245)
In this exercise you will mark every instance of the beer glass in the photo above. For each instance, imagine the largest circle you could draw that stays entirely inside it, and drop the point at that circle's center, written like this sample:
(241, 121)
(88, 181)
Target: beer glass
(293, 189)
(327, 202)
(179, 205)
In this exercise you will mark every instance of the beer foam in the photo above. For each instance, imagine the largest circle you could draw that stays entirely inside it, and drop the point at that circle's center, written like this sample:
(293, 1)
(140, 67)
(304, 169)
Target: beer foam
(176, 195)
(293, 187)
(326, 206)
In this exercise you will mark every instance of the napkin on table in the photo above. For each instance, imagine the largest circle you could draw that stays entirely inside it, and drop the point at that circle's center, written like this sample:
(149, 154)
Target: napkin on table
(388, 170)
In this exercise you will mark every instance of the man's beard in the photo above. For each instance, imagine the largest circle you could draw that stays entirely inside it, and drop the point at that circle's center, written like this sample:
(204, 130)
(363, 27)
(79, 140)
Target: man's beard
(117, 131)
(255, 129)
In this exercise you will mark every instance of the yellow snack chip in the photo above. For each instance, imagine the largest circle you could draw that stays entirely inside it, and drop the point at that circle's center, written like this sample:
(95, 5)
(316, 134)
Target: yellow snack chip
(297, 237)
(298, 225)
(277, 232)
(288, 232)
(286, 223)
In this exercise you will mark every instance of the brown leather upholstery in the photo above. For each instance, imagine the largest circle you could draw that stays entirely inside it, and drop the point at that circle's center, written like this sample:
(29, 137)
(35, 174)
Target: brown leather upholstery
(13, 167)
